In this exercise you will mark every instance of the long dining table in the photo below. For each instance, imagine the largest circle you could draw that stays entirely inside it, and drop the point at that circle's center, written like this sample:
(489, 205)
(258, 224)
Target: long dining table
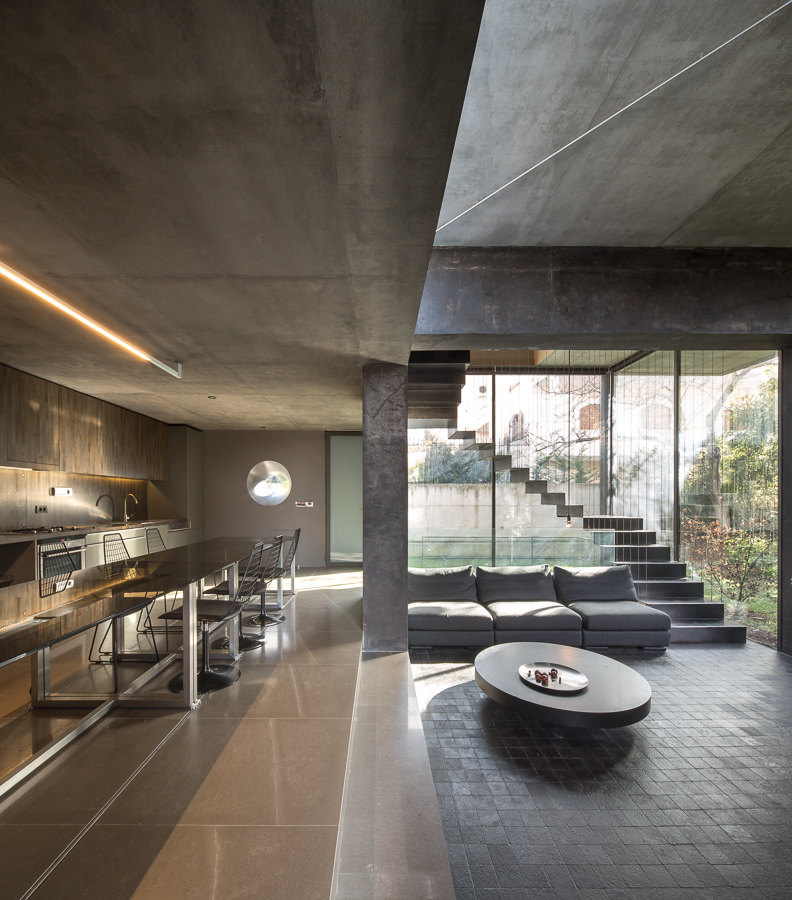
(36, 615)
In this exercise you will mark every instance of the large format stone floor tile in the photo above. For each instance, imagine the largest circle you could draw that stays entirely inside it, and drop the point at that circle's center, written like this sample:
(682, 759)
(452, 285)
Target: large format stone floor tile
(286, 692)
(312, 648)
(190, 862)
(77, 782)
(26, 851)
(260, 772)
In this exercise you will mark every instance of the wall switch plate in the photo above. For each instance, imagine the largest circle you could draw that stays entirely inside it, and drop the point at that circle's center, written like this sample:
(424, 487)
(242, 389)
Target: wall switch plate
(39, 509)
(304, 504)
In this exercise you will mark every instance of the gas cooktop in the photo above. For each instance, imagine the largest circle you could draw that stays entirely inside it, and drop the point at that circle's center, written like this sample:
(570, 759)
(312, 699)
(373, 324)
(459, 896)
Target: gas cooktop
(46, 529)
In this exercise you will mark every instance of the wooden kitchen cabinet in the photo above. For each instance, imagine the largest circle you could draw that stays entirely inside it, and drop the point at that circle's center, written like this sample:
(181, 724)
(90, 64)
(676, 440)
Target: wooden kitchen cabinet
(31, 413)
(104, 439)
(81, 438)
(47, 426)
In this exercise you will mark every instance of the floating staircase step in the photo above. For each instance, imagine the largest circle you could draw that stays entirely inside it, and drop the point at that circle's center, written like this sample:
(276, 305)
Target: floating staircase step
(687, 610)
(707, 633)
(433, 410)
(622, 523)
(535, 487)
(652, 570)
(563, 510)
(503, 461)
(634, 537)
(457, 359)
(552, 499)
(519, 476)
(668, 588)
(428, 419)
(477, 446)
(423, 376)
(625, 553)
(428, 396)
(462, 436)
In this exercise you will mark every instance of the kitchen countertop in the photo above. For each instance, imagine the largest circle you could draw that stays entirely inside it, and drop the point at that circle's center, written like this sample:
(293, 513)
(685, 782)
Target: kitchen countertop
(9, 537)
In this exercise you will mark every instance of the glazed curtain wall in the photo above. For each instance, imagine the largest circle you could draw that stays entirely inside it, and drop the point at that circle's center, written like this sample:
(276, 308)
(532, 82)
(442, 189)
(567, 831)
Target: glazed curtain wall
(686, 441)
(728, 480)
(461, 511)
(695, 455)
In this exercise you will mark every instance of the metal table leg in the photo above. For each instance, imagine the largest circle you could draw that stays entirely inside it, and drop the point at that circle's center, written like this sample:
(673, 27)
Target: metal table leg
(190, 646)
(40, 686)
(231, 573)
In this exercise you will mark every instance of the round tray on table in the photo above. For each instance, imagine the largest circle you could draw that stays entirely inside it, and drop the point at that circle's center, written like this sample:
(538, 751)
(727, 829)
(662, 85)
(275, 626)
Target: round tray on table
(569, 680)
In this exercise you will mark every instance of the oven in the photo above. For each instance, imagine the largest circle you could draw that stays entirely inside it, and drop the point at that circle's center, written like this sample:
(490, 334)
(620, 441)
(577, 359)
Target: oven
(60, 556)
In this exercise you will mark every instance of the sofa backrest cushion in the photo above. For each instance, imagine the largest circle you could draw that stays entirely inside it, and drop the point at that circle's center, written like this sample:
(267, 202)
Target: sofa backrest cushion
(514, 583)
(594, 583)
(441, 584)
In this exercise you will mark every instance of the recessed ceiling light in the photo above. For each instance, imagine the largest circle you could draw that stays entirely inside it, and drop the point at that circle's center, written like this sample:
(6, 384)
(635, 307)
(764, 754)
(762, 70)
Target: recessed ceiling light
(43, 294)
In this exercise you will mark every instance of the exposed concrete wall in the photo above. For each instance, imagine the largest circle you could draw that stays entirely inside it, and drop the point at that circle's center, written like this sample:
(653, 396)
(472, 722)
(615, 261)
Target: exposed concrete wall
(497, 298)
(228, 509)
(384, 507)
(438, 509)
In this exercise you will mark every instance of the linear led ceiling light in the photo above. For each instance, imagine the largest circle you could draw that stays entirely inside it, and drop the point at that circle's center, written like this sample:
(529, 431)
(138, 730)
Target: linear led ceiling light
(47, 297)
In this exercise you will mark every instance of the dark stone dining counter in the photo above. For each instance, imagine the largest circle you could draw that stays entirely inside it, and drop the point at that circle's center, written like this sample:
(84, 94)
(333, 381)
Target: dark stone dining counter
(36, 614)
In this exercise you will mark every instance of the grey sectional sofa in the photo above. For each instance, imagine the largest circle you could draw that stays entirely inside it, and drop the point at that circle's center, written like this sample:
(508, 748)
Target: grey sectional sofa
(588, 607)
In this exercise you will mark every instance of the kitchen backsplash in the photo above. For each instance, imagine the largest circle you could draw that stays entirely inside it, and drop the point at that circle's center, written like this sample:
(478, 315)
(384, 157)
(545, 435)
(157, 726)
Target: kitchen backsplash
(23, 490)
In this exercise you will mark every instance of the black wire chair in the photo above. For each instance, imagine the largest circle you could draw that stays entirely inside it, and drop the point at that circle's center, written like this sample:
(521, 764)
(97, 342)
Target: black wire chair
(212, 611)
(268, 573)
(115, 551)
(282, 571)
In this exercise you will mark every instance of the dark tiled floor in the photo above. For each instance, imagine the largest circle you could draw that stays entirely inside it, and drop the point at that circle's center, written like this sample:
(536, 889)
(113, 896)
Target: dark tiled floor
(695, 801)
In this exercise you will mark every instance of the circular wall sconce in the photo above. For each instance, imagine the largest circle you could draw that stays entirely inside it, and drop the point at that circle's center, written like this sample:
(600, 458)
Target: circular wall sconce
(269, 483)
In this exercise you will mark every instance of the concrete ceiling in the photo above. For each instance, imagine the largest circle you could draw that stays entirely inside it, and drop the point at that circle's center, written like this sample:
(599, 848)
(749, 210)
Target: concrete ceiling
(703, 162)
(250, 188)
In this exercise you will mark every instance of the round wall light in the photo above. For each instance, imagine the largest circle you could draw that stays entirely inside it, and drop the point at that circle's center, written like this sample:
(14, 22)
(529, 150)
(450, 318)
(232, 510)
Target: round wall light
(269, 483)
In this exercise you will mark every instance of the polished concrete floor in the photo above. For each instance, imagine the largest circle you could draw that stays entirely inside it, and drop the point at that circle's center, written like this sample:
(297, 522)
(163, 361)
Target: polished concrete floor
(240, 798)
(695, 801)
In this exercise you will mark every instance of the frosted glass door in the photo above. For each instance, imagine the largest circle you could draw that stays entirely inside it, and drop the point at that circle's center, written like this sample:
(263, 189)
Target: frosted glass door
(346, 498)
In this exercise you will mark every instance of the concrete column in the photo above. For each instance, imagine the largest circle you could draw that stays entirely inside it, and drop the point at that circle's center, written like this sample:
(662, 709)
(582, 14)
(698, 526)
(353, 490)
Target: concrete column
(385, 507)
(785, 502)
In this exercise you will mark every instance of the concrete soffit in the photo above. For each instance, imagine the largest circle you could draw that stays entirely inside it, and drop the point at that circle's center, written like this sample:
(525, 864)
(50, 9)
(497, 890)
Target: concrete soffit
(490, 298)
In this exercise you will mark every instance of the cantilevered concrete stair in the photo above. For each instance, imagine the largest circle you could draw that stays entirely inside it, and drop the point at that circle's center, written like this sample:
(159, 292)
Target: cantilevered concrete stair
(517, 475)
(663, 583)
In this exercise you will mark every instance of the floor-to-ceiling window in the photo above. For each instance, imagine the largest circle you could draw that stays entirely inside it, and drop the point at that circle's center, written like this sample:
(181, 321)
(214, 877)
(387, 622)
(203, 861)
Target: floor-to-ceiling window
(682, 442)
(728, 477)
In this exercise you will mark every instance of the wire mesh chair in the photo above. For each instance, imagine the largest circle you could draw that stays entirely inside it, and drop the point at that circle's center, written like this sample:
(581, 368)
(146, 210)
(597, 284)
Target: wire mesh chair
(251, 583)
(283, 570)
(267, 574)
(213, 611)
(115, 551)
(154, 542)
(60, 567)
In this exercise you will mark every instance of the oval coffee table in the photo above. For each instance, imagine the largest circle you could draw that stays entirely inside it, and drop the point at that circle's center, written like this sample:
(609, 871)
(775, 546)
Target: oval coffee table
(616, 694)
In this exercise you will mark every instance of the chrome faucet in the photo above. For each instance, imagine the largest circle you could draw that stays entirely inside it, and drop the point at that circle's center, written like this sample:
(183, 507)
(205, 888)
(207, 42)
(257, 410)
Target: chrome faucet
(112, 505)
(126, 514)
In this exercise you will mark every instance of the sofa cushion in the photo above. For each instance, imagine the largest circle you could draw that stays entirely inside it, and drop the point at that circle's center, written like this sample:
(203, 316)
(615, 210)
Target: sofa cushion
(594, 583)
(514, 583)
(534, 615)
(620, 615)
(448, 615)
(441, 584)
